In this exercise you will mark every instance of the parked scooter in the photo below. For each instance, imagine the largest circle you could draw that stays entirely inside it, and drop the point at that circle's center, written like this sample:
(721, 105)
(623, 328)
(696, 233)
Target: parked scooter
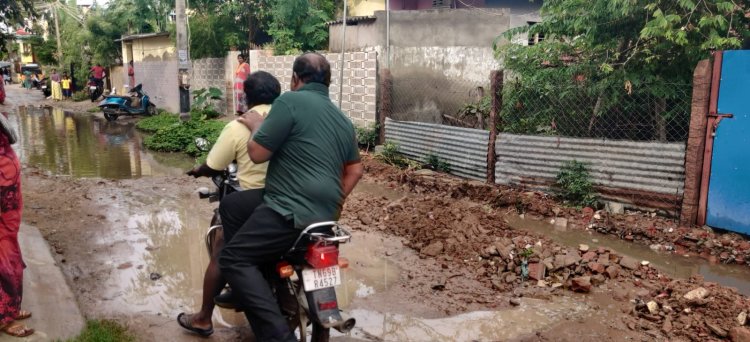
(138, 104)
(303, 280)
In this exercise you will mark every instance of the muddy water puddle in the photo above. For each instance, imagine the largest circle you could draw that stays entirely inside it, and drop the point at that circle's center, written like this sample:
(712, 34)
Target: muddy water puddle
(671, 264)
(531, 316)
(83, 145)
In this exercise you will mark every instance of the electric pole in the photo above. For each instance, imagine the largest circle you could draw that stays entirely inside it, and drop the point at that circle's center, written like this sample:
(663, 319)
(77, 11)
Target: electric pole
(57, 35)
(183, 74)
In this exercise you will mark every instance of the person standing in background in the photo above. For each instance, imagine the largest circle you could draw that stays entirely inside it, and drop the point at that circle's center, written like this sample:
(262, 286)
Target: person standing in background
(56, 89)
(66, 85)
(131, 75)
(240, 75)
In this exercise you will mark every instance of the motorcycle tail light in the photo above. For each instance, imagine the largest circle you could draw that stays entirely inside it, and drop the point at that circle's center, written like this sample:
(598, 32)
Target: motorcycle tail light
(284, 269)
(328, 305)
(343, 262)
(319, 256)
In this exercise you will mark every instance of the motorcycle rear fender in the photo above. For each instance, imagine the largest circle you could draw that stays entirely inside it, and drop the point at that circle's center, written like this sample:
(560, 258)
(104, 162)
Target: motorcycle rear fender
(327, 318)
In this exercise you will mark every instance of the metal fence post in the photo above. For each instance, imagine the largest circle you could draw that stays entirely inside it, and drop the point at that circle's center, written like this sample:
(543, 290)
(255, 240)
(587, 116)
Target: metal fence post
(386, 104)
(496, 91)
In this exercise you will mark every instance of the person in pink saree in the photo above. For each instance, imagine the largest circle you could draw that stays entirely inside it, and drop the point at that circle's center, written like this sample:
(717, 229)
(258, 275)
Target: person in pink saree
(11, 263)
(243, 70)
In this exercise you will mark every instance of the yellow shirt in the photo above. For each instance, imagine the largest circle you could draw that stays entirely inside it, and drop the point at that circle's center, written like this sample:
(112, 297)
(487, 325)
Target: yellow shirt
(65, 83)
(232, 145)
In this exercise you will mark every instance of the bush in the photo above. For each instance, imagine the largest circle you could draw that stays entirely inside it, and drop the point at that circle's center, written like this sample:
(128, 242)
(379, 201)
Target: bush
(204, 104)
(391, 155)
(81, 95)
(103, 331)
(154, 123)
(368, 136)
(435, 163)
(574, 184)
(172, 135)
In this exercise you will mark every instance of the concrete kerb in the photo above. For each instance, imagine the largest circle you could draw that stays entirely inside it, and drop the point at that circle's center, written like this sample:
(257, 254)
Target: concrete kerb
(45, 293)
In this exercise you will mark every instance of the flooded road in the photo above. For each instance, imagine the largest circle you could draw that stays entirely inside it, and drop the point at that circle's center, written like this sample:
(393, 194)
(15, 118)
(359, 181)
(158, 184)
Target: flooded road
(674, 265)
(82, 145)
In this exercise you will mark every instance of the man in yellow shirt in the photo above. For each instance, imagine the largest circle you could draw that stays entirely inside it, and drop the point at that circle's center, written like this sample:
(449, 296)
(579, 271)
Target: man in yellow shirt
(261, 89)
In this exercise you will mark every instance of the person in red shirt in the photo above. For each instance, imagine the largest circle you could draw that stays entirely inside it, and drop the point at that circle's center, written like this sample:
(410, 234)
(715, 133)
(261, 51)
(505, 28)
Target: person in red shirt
(97, 72)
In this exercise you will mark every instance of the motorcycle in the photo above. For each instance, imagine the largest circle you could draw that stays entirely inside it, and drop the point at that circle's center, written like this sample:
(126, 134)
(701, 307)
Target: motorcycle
(45, 86)
(115, 105)
(96, 88)
(303, 280)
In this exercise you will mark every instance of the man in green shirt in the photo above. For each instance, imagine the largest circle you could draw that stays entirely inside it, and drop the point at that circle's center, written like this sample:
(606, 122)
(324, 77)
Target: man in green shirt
(314, 165)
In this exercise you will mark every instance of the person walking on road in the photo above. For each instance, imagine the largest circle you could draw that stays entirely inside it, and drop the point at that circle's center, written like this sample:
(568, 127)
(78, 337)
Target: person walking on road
(11, 263)
(56, 88)
(240, 75)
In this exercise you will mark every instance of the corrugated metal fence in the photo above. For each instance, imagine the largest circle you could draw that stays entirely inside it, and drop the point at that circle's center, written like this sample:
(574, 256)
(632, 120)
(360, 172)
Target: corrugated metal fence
(642, 174)
(464, 148)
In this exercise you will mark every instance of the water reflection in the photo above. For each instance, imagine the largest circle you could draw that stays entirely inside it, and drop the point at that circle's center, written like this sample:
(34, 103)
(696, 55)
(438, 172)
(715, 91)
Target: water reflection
(82, 145)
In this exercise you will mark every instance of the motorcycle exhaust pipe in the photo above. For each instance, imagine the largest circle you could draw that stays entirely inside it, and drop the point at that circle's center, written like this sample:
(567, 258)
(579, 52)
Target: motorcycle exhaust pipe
(346, 324)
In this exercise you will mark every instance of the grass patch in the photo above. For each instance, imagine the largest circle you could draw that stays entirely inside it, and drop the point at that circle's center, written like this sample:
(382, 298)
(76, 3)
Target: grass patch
(94, 110)
(154, 123)
(103, 331)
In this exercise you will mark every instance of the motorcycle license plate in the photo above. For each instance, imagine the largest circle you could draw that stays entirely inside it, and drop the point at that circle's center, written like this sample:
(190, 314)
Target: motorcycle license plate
(92, 88)
(321, 278)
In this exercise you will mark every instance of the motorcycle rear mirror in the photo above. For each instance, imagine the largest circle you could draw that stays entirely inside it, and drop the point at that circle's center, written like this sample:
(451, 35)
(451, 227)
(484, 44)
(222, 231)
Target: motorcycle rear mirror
(202, 144)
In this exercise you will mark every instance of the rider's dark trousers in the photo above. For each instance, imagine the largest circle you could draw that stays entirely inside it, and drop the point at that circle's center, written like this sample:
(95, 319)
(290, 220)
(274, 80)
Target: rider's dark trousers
(263, 239)
(235, 209)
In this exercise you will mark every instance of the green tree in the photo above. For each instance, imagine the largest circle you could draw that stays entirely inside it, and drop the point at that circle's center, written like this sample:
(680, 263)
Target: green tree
(217, 26)
(602, 50)
(12, 14)
(299, 25)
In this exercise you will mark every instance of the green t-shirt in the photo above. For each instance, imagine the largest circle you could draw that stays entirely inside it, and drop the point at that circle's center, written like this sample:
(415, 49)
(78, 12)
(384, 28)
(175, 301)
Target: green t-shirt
(312, 141)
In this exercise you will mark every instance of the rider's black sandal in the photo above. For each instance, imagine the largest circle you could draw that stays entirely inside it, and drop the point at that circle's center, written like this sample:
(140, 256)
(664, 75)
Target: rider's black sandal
(182, 320)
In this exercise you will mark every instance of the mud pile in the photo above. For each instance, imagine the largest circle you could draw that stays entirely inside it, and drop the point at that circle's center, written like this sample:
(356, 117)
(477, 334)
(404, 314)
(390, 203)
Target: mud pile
(461, 223)
(691, 310)
(657, 232)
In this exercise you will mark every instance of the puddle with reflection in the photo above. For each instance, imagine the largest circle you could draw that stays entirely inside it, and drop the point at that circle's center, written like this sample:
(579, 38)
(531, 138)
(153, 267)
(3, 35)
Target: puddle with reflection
(533, 315)
(170, 241)
(672, 264)
(82, 145)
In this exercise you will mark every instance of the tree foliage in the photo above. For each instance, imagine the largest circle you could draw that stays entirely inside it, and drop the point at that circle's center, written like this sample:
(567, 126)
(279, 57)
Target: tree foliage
(605, 50)
(299, 25)
(12, 13)
(218, 26)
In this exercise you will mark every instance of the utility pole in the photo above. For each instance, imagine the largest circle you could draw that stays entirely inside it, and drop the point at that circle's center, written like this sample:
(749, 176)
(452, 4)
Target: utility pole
(343, 49)
(57, 35)
(183, 74)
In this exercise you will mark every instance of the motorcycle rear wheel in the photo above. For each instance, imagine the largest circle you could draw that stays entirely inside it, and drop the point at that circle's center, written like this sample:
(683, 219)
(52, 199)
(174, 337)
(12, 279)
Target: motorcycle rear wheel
(320, 334)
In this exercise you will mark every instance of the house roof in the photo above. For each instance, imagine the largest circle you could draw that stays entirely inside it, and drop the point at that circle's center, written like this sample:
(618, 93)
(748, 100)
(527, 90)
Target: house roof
(352, 20)
(142, 36)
